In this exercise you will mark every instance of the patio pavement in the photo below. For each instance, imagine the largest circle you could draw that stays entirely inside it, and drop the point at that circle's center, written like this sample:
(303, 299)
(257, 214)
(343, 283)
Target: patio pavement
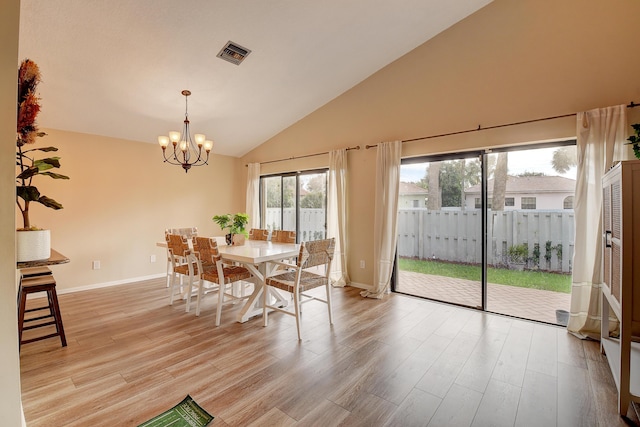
(527, 303)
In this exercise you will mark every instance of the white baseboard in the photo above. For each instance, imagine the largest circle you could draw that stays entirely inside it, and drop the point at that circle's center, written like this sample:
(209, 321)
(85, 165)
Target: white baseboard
(360, 285)
(107, 284)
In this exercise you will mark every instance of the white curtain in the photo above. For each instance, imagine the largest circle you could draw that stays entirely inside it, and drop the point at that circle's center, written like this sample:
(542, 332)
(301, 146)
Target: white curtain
(601, 136)
(337, 215)
(386, 213)
(253, 195)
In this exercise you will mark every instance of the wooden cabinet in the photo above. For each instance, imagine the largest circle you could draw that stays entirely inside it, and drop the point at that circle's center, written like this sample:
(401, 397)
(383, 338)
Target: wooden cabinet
(621, 276)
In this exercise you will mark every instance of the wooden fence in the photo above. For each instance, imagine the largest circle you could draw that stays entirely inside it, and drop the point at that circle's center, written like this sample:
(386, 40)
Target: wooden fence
(455, 235)
(312, 221)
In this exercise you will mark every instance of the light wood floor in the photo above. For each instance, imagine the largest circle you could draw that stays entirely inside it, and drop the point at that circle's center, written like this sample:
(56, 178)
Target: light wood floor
(400, 361)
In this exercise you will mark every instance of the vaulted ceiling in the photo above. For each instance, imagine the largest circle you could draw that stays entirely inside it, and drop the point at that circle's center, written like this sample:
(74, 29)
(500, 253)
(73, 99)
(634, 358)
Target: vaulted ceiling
(117, 68)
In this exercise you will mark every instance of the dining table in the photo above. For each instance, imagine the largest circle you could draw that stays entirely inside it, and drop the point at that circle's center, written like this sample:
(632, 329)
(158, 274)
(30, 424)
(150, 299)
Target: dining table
(259, 257)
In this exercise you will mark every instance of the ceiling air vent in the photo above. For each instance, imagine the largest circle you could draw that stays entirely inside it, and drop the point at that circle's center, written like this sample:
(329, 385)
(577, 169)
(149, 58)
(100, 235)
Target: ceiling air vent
(233, 53)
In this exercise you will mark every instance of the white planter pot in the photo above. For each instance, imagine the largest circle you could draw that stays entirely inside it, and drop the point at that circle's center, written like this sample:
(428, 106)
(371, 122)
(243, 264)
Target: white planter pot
(33, 245)
(238, 239)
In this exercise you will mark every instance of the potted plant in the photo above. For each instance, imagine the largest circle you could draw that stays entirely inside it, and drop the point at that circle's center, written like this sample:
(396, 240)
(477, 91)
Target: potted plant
(518, 255)
(236, 225)
(32, 243)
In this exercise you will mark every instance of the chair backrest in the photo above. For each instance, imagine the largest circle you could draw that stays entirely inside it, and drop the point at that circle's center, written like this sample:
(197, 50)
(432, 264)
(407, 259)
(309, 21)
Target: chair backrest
(177, 245)
(188, 232)
(283, 236)
(258, 234)
(316, 252)
(206, 250)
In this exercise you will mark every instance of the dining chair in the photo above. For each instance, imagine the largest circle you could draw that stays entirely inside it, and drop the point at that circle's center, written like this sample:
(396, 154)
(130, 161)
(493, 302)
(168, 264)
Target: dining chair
(217, 275)
(258, 234)
(182, 266)
(189, 232)
(313, 256)
(283, 236)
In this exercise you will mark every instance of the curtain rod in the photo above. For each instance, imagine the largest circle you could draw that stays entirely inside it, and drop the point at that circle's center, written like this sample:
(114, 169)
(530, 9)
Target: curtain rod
(479, 128)
(357, 147)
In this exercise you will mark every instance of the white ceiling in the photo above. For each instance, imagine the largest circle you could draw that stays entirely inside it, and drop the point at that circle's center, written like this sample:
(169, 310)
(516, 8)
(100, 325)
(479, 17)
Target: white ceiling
(116, 68)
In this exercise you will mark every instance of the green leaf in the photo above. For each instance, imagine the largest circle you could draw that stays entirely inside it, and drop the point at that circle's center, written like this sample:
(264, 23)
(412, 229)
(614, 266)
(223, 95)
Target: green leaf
(48, 163)
(28, 173)
(28, 193)
(50, 203)
(54, 175)
(45, 149)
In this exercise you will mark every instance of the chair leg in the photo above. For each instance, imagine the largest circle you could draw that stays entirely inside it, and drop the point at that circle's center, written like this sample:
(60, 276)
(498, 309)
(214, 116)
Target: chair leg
(221, 289)
(200, 294)
(55, 307)
(169, 272)
(296, 303)
(188, 294)
(173, 288)
(327, 286)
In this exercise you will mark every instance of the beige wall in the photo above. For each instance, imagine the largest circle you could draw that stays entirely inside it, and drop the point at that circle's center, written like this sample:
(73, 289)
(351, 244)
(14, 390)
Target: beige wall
(119, 199)
(10, 406)
(511, 61)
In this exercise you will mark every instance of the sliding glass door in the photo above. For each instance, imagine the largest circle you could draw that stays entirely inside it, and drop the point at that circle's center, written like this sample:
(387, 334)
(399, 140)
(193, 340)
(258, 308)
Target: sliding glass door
(439, 235)
(490, 230)
(296, 202)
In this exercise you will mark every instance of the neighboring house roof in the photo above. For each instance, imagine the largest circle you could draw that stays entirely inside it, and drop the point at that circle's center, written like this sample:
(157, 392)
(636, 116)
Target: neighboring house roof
(531, 184)
(411, 188)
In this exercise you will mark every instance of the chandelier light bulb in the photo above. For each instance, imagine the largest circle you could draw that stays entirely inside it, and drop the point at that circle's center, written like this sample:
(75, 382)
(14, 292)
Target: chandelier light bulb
(163, 141)
(208, 145)
(174, 136)
(199, 139)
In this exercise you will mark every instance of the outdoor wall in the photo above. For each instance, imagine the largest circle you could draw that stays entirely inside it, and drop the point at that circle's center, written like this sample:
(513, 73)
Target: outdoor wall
(10, 400)
(119, 200)
(511, 61)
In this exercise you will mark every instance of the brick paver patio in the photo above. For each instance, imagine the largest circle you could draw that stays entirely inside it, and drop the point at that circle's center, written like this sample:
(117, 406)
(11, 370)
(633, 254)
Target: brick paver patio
(527, 303)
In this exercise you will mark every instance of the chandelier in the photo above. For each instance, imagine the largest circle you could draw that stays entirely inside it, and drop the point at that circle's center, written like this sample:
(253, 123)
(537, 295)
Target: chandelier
(186, 152)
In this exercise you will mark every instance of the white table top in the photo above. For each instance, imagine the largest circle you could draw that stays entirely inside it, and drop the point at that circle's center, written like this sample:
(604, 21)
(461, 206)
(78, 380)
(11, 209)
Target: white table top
(255, 251)
(259, 251)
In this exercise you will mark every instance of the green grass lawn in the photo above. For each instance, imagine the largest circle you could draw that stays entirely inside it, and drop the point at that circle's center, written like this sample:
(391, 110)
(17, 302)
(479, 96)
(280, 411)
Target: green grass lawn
(524, 279)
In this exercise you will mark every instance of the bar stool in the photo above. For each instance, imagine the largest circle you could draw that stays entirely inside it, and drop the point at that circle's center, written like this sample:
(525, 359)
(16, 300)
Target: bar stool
(39, 281)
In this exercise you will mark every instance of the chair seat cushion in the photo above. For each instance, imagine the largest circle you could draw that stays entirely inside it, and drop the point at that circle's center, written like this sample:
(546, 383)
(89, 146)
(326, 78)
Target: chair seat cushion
(287, 280)
(231, 274)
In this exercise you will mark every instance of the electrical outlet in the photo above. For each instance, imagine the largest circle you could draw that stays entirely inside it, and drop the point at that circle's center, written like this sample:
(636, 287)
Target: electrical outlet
(361, 263)
(96, 265)
(152, 258)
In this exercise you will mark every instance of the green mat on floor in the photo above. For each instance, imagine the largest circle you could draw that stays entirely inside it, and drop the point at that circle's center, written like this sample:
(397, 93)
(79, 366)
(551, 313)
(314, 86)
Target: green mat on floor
(185, 414)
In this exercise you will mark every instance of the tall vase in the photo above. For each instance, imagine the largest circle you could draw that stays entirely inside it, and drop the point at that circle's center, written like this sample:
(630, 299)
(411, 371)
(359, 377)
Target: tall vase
(33, 245)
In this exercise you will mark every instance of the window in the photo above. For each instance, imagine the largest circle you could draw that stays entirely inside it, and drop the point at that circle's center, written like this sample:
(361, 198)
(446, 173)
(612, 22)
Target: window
(297, 202)
(528, 203)
(478, 203)
(568, 202)
(509, 201)
(416, 203)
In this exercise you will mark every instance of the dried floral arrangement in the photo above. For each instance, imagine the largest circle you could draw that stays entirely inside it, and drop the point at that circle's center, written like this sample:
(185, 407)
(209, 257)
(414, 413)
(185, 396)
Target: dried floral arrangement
(27, 133)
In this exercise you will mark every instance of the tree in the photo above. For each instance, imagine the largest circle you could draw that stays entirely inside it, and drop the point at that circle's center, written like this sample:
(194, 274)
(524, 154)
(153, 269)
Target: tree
(433, 178)
(452, 178)
(500, 181)
(564, 158)
(275, 195)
